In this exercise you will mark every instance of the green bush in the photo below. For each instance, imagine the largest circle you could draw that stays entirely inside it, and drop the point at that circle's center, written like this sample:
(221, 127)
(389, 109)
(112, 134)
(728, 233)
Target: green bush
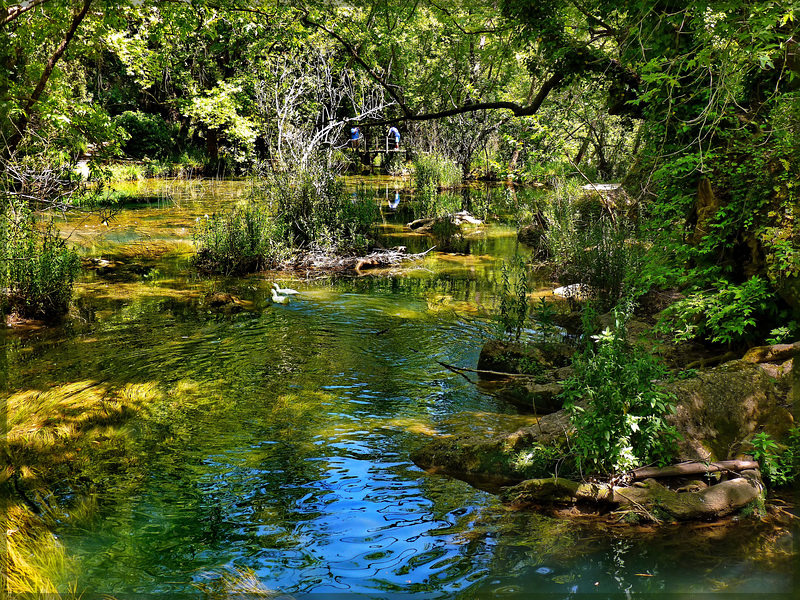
(241, 240)
(149, 135)
(37, 270)
(725, 313)
(780, 466)
(513, 299)
(313, 210)
(617, 408)
(597, 250)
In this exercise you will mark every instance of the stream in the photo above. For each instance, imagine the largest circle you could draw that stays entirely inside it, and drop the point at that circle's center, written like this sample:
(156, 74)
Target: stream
(276, 439)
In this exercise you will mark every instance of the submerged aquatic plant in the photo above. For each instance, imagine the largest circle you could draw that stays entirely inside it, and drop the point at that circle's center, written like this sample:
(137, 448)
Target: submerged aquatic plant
(72, 438)
(238, 582)
(33, 562)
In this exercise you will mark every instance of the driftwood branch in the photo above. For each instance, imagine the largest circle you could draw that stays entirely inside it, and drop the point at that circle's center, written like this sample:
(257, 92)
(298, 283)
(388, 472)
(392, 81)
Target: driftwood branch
(484, 371)
(321, 259)
(693, 468)
(774, 353)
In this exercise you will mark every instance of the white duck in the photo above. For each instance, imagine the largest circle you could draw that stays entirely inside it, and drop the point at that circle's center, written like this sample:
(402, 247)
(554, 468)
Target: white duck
(284, 291)
(278, 298)
(281, 295)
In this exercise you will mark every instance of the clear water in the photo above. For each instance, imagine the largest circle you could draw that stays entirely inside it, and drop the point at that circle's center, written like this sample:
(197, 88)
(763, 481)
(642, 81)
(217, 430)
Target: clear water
(279, 438)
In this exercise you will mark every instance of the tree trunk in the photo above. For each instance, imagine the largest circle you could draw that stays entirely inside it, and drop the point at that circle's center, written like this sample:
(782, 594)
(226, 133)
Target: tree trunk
(212, 144)
(582, 151)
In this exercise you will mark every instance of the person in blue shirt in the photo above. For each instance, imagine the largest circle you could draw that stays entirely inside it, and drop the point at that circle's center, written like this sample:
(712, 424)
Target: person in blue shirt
(355, 137)
(394, 132)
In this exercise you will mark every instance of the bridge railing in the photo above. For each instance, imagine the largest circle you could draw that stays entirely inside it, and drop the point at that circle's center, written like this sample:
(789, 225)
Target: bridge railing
(381, 144)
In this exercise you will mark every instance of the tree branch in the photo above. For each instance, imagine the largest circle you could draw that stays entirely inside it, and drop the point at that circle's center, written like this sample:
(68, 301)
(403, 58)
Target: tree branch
(354, 53)
(459, 27)
(518, 110)
(22, 124)
(12, 12)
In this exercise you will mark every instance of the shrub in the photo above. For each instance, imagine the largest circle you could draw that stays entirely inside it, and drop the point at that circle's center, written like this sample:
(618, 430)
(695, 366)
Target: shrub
(313, 210)
(150, 136)
(241, 240)
(307, 208)
(513, 299)
(621, 425)
(780, 466)
(37, 270)
(726, 313)
(599, 251)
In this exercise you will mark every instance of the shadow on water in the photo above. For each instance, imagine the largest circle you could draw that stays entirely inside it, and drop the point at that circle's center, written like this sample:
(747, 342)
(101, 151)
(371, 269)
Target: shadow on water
(274, 441)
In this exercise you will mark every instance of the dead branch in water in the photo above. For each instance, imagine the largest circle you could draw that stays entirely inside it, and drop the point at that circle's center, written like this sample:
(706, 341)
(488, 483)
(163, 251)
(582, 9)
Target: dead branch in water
(328, 261)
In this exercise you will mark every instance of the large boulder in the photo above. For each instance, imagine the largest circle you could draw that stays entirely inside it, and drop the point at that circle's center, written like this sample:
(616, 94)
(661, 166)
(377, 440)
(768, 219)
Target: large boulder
(502, 366)
(720, 409)
(527, 393)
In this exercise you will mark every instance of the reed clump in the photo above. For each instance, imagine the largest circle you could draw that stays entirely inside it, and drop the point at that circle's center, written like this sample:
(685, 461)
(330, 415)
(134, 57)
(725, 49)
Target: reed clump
(288, 212)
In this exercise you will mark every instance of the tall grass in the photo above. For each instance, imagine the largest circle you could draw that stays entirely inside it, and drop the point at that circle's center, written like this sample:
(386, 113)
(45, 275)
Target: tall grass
(243, 239)
(314, 211)
(593, 247)
(433, 172)
(37, 269)
(183, 166)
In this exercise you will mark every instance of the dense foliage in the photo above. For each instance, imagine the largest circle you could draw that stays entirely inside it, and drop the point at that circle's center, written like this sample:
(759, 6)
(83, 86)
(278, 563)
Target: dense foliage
(305, 209)
(37, 269)
(617, 408)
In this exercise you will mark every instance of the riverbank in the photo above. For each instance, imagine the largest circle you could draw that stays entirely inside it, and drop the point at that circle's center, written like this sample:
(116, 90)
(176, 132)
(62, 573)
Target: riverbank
(718, 415)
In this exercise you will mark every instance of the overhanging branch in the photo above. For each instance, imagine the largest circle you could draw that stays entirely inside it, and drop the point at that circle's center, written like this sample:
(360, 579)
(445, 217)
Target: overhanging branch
(518, 110)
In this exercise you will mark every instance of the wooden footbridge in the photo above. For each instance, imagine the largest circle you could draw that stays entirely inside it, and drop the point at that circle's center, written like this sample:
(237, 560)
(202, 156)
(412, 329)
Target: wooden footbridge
(368, 147)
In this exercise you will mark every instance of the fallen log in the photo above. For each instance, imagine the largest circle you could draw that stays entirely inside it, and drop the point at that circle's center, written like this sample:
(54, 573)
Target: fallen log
(458, 219)
(649, 499)
(693, 468)
(328, 261)
(774, 353)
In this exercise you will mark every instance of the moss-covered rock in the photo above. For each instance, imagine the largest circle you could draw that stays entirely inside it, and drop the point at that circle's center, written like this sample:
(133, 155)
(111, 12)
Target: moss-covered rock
(505, 459)
(528, 394)
(719, 409)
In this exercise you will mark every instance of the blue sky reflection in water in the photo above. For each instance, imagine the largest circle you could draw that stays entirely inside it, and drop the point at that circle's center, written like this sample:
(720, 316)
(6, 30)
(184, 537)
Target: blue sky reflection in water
(280, 437)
